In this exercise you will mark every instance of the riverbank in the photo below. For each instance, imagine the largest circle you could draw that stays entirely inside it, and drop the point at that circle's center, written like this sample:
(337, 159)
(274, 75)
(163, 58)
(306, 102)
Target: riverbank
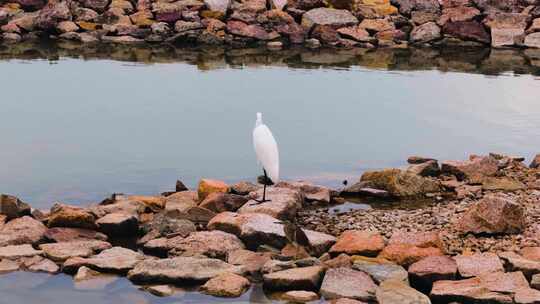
(452, 228)
(277, 23)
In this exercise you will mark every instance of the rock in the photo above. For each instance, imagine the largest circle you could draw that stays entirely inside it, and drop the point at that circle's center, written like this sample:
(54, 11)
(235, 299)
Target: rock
(429, 168)
(214, 244)
(325, 34)
(407, 6)
(467, 30)
(535, 162)
(311, 192)
(532, 40)
(418, 239)
(368, 8)
(527, 296)
(88, 279)
(183, 26)
(341, 260)
(68, 216)
(7, 266)
(328, 16)
(183, 205)
(226, 285)
(493, 214)
(84, 14)
(354, 32)
(251, 261)
(515, 262)
(304, 278)
(283, 203)
(421, 17)
(381, 271)
(52, 13)
(399, 183)
(458, 14)
(80, 248)
(406, 255)
(495, 287)
(13, 252)
(44, 265)
(313, 43)
(397, 292)
(299, 296)
(24, 230)
(62, 234)
(415, 160)
(358, 242)
(347, 283)
(346, 301)
(319, 242)
(531, 253)
(377, 25)
(115, 259)
(155, 203)
(218, 5)
(12, 207)
(428, 270)
(535, 281)
(160, 290)
(67, 26)
(426, 32)
(220, 202)
(474, 169)
(506, 184)
(97, 5)
(478, 264)
(180, 269)
(207, 186)
(254, 31)
(118, 224)
(360, 190)
(244, 188)
(122, 39)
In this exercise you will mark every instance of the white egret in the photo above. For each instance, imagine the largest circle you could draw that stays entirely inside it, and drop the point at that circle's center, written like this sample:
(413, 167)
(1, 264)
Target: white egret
(267, 153)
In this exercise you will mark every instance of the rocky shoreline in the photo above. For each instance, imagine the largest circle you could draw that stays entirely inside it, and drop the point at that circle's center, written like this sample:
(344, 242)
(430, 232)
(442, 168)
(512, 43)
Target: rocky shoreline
(276, 24)
(473, 239)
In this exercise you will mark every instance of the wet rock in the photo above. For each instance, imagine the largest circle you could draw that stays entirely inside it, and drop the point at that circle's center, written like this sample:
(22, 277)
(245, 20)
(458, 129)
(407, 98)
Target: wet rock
(347, 283)
(228, 285)
(62, 234)
(160, 290)
(7, 266)
(426, 32)
(358, 242)
(406, 255)
(115, 259)
(328, 16)
(496, 287)
(180, 269)
(283, 203)
(207, 186)
(474, 169)
(478, 264)
(399, 183)
(299, 296)
(80, 248)
(304, 278)
(118, 224)
(515, 262)
(44, 265)
(428, 270)
(397, 292)
(429, 168)
(12, 207)
(251, 261)
(214, 244)
(23, 230)
(493, 214)
(89, 279)
(381, 271)
(68, 216)
(532, 40)
(220, 202)
(13, 252)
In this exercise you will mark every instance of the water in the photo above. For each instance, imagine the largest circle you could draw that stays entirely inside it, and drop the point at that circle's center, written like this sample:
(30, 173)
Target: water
(78, 124)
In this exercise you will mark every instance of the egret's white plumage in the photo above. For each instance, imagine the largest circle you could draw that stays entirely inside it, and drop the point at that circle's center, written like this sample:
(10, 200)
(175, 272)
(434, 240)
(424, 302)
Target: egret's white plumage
(266, 149)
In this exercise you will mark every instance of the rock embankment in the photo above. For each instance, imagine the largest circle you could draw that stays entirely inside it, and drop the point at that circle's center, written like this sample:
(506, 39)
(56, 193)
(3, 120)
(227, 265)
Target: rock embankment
(473, 239)
(277, 23)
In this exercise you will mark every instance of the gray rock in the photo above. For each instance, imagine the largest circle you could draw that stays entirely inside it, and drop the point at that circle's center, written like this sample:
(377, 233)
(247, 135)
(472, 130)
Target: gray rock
(305, 278)
(328, 16)
(13, 207)
(347, 283)
(397, 292)
(381, 272)
(180, 269)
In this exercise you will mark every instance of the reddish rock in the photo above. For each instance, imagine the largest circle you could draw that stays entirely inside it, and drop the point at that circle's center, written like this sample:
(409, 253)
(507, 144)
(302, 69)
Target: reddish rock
(300, 296)
(467, 30)
(207, 186)
(325, 34)
(52, 13)
(376, 25)
(527, 296)
(355, 33)
(294, 31)
(358, 242)
(415, 160)
(11, 206)
(418, 239)
(305, 278)
(328, 16)
(116, 259)
(428, 270)
(393, 291)
(341, 260)
(220, 202)
(426, 32)
(493, 214)
(13, 252)
(531, 253)
(457, 14)
(62, 234)
(473, 169)
(407, 6)
(7, 266)
(283, 204)
(119, 224)
(214, 244)
(251, 261)
(429, 168)
(255, 31)
(70, 216)
(80, 248)
(97, 5)
(347, 283)
(311, 192)
(478, 264)
(406, 255)
(226, 285)
(23, 230)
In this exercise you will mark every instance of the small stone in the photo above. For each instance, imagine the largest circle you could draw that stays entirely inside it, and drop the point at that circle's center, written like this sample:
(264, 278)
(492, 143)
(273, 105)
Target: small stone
(299, 296)
(226, 285)
(160, 290)
(347, 283)
(88, 279)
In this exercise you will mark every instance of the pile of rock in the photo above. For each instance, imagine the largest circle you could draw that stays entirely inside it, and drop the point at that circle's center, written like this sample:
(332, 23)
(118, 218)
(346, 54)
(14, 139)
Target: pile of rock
(275, 23)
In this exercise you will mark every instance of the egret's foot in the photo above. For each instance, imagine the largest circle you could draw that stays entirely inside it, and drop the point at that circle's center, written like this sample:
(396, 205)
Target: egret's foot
(258, 202)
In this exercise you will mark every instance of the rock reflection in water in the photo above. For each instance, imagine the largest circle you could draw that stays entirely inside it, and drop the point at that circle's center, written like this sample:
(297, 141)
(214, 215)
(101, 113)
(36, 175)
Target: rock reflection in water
(470, 60)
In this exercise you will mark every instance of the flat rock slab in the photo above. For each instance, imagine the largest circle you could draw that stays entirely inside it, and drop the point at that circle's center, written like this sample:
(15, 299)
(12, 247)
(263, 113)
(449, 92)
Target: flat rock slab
(406, 255)
(7, 266)
(358, 242)
(18, 251)
(515, 262)
(221, 202)
(283, 204)
(300, 296)
(65, 250)
(44, 265)
(63, 234)
(311, 192)
(214, 244)
(88, 279)
(228, 285)
(397, 292)
(348, 283)
(251, 261)
(428, 270)
(477, 264)
(160, 290)
(23, 230)
(304, 278)
(417, 238)
(328, 16)
(174, 270)
(116, 259)
(381, 272)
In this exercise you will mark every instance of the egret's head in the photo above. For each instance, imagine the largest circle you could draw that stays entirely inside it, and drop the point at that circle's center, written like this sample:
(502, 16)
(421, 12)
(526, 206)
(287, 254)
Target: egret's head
(259, 116)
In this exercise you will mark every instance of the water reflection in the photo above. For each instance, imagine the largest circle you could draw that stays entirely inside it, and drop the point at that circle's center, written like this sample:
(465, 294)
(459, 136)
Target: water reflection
(462, 59)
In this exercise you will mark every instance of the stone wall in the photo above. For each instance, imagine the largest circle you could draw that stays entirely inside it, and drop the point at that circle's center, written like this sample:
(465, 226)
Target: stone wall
(277, 23)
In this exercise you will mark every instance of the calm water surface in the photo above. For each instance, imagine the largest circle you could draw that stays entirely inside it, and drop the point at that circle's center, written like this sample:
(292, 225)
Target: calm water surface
(80, 123)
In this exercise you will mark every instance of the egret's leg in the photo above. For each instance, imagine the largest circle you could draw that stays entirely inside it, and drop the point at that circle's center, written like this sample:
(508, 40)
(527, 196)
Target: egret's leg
(264, 189)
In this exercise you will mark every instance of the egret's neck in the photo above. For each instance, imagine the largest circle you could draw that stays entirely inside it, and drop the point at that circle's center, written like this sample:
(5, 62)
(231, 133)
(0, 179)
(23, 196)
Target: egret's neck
(259, 121)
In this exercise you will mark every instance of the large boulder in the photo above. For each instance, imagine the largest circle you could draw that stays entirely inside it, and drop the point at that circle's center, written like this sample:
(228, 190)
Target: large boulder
(52, 14)
(398, 292)
(328, 16)
(12, 207)
(180, 269)
(358, 242)
(493, 214)
(507, 29)
(304, 278)
(115, 259)
(69, 216)
(23, 230)
(228, 285)
(467, 30)
(398, 183)
(347, 283)
(283, 204)
(82, 248)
